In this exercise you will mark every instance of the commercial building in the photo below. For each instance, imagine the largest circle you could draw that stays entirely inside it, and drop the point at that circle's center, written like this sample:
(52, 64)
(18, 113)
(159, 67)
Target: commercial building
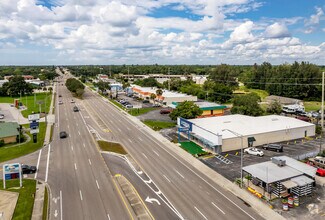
(283, 100)
(167, 98)
(209, 109)
(282, 176)
(227, 133)
(9, 132)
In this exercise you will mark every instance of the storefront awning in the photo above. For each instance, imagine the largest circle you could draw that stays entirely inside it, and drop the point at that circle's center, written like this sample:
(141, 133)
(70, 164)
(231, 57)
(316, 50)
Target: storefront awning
(289, 184)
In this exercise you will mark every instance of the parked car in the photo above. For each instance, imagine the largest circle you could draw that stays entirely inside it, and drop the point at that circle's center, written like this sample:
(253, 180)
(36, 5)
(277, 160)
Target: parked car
(63, 134)
(75, 109)
(156, 105)
(320, 172)
(254, 151)
(303, 118)
(145, 101)
(165, 111)
(275, 147)
(26, 169)
(129, 106)
(2, 116)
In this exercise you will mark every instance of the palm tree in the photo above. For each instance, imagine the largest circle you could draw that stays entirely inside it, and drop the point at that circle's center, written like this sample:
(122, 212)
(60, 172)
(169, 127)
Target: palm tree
(159, 92)
(153, 96)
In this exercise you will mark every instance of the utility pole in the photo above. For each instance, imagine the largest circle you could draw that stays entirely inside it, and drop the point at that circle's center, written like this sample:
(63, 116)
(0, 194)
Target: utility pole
(110, 72)
(322, 114)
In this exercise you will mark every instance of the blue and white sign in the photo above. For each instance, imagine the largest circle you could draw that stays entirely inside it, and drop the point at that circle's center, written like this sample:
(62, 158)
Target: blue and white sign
(34, 124)
(11, 171)
(185, 123)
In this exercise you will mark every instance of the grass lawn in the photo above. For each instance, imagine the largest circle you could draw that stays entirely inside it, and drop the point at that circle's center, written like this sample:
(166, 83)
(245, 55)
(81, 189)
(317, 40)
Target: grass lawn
(25, 203)
(117, 104)
(8, 153)
(112, 147)
(192, 148)
(158, 125)
(45, 206)
(32, 106)
(140, 111)
(312, 106)
(261, 93)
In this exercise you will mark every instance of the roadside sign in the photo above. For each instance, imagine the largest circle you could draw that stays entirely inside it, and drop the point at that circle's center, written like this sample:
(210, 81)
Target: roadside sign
(34, 124)
(183, 129)
(11, 171)
(34, 117)
(34, 131)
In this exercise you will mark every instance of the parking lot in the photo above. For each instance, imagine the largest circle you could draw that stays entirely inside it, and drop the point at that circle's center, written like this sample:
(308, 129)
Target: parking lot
(228, 163)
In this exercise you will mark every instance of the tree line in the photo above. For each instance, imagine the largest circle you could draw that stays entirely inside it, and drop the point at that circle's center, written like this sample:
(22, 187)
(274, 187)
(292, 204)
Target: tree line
(75, 86)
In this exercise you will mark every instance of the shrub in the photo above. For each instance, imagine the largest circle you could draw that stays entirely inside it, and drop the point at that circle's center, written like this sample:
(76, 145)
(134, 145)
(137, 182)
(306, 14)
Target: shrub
(2, 142)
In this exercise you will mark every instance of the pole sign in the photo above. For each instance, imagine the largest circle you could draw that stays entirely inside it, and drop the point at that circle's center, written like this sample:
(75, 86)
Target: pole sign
(34, 117)
(34, 131)
(34, 124)
(11, 171)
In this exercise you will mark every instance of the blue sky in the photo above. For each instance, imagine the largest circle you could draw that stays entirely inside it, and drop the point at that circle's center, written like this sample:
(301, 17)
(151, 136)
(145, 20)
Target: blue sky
(42, 32)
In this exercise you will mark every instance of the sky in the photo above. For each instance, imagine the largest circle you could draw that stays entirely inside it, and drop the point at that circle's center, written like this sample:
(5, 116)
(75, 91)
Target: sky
(105, 32)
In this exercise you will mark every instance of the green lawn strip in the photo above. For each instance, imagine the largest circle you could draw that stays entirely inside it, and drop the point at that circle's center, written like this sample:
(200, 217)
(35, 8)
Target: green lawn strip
(261, 93)
(29, 101)
(312, 106)
(25, 203)
(45, 205)
(117, 104)
(140, 111)
(8, 153)
(112, 147)
(192, 148)
(158, 125)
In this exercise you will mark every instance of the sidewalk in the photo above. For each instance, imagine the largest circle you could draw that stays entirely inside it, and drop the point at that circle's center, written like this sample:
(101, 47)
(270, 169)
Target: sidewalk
(40, 187)
(261, 208)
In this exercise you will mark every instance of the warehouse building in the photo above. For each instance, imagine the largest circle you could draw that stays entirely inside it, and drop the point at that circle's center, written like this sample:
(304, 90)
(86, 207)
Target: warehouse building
(167, 98)
(282, 176)
(227, 133)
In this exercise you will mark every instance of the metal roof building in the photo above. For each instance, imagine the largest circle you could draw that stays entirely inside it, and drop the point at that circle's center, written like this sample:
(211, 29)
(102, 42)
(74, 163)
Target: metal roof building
(225, 133)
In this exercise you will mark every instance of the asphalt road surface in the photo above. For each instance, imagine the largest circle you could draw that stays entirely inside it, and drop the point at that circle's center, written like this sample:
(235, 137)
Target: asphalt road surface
(193, 195)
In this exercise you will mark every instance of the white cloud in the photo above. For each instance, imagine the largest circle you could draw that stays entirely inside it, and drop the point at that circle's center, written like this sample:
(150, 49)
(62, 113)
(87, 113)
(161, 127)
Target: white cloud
(315, 18)
(243, 33)
(277, 30)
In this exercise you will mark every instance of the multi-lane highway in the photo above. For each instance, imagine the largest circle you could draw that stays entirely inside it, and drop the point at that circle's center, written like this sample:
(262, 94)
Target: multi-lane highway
(191, 194)
(80, 183)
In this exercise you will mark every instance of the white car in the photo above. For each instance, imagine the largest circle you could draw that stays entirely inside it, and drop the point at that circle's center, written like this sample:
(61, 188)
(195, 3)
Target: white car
(2, 116)
(60, 102)
(254, 151)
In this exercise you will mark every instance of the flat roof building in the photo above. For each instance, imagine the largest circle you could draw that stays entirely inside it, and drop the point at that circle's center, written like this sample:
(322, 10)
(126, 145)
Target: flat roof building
(225, 133)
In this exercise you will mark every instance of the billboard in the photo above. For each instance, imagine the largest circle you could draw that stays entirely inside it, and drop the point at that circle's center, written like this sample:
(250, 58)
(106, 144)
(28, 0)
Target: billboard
(11, 171)
(33, 117)
(184, 123)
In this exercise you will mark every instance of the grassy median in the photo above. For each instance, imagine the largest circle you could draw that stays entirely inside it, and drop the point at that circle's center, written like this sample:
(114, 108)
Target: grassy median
(111, 147)
(140, 111)
(158, 125)
(25, 203)
(8, 153)
(45, 205)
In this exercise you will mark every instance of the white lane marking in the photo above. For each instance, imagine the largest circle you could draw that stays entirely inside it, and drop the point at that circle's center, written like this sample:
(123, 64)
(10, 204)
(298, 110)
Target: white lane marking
(80, 194)
(68, 126)
(156, 153)
(108, 217)
(179, 174)
(129, 140)
(77, 125)
(201, 213)
(140, 139)
(79, 132)
(110, 121)
(61, 209)
(167, 178)
(119, 120)
(207, 192)
(97, 184)
(47, 163)
(71, 147)
(75, 166)
(89, 161)
(39, 158)
(128, 128)
(144, 155)
(218, 208)
(119, 129)
(84, 145)
(66, 119)
(74, 117)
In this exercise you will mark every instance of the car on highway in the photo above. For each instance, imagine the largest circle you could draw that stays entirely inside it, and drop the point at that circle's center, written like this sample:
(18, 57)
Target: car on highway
(2, 116)
(274, 147)
(60, 102)
(63, 134)
(165, 111)
(75, 109)
(72, 101)
(26, 169)
(254, 151)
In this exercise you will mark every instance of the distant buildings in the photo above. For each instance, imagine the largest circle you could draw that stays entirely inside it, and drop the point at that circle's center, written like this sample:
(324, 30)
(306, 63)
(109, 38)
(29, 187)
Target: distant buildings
(9, 132)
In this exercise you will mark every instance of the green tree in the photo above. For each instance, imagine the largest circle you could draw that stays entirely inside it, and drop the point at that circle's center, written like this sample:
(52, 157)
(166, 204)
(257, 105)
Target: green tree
(103, 86)
(80, 92)
(75, 86)
(17, 86)
(159, 92)
(247, 105)
(186, 110)
(153, 96)
(274, 108)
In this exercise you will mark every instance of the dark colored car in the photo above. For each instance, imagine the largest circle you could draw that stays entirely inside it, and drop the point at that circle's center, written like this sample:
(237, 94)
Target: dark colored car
(165, 111)
(26, 169)
(145, 101)
(303, 118)
(75, 109)
(60, 95)
(63, 134)
(274, 147)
